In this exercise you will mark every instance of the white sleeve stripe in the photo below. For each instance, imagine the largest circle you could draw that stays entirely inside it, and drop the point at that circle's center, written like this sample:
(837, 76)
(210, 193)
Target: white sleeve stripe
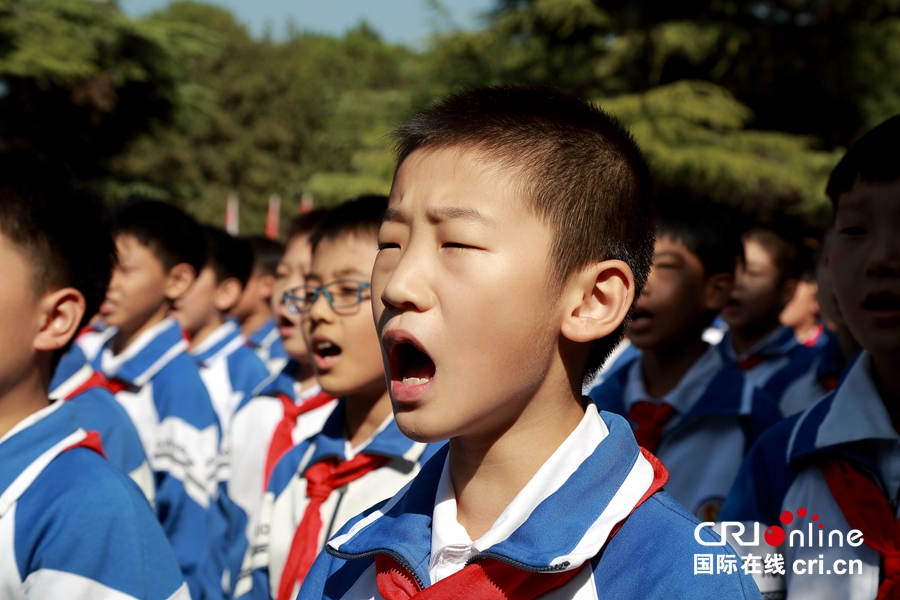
(31, 472)
(50, 583)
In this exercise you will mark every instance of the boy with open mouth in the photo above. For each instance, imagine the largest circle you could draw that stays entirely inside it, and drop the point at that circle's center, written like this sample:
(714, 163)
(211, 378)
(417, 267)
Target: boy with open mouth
(359, 457)
(518, 234)
(839, 457)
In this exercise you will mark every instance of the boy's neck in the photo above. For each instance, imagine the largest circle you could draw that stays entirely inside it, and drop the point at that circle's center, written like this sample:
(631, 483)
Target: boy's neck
(488, 472)
(886, 377)
(255, 320)
(125, 338)
(215, 321)
(744, 338)
(24, 397)
(664, 367)
(364, 414)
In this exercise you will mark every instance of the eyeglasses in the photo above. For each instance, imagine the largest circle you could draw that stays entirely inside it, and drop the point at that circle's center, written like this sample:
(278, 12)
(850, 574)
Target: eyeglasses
(342, 295)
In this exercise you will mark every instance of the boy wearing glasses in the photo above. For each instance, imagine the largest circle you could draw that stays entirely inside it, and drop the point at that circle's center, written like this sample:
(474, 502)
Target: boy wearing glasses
(359, 456)
(518, 235)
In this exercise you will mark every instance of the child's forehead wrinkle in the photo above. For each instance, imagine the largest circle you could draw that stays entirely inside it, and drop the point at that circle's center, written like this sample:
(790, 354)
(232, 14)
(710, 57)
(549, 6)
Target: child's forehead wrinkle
(440, 214)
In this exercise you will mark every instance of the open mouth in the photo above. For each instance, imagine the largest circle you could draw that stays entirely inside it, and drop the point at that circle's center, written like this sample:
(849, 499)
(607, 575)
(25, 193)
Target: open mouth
(326, 353)
(107, 307)
(409, 364)
(286, 327)
(882, 302)
(640, 319)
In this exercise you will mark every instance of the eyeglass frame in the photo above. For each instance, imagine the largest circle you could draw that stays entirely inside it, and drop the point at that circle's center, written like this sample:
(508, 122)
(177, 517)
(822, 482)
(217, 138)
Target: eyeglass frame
(318, 291)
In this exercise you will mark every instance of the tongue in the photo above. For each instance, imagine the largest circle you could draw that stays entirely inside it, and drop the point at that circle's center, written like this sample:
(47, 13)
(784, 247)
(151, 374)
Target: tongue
(420, 366)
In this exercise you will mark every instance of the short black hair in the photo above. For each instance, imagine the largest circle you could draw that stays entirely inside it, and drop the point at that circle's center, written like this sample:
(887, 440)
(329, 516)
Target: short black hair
(304, 223)
(782, 245)
(227, 255)
(64, 232)
(707, 230)
(267, 253)
(874, 158)
(172, 235)
(576, 165)
(359, 216)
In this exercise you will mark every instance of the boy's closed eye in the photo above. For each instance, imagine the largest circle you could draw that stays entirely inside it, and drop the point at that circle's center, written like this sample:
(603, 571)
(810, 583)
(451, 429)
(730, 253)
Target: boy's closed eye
(853, 230)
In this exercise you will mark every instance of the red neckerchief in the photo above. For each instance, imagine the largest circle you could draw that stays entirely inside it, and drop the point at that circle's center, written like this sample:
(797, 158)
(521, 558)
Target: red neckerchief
(282, 438)
(866, 508)
(651, 419)
(322, 478)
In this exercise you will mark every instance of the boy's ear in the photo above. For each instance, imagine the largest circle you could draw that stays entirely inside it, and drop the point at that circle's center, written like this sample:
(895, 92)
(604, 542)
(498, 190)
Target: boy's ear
(228, 293)
(61, 314)
(266, 285)
(178, 280)
(716, 291)
(596, 300)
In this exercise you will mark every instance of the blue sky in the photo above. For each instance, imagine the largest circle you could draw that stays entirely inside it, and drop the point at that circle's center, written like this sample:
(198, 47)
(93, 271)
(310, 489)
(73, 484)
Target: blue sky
(403, 21)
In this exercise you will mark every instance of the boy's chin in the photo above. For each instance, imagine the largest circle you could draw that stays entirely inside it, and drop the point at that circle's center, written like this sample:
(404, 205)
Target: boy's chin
(410, 426)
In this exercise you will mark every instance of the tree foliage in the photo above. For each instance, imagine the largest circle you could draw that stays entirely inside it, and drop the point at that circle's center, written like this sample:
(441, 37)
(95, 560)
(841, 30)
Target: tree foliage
(748, 102)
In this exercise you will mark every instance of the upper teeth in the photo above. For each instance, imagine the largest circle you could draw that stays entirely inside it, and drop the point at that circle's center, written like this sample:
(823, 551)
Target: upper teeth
(324, 345)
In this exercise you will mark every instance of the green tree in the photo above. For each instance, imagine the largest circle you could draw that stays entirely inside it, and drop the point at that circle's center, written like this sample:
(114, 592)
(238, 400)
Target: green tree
(307, 115)
(79, 80)
(778, 87)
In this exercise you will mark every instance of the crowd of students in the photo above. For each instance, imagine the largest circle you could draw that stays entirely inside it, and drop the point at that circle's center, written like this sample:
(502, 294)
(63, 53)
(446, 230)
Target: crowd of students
(186, 414)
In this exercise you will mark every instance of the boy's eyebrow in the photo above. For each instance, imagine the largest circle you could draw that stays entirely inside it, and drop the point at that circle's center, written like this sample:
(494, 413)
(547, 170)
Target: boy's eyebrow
(667, 253)
(441, 213)
(449, 213)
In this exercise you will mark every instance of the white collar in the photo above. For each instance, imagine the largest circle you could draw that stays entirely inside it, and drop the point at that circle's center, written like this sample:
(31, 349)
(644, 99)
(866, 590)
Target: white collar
(689, 390)
(451, 542)
(857, 411)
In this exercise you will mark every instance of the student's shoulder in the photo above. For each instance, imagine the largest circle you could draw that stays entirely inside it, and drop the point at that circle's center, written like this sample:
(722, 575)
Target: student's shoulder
(178, 390)
(669, 541)
(247, 370)
(98, 410)
(82, 517)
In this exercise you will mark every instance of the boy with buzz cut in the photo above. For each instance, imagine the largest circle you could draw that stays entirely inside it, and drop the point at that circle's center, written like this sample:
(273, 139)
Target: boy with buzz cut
(694, 410)
(231, 371)
(291, 408)
(234, 376)
(769, 353)
(359, 456)
(71, 525)
(143, 354)
(518, 234)
(254, 310)
(835, 463)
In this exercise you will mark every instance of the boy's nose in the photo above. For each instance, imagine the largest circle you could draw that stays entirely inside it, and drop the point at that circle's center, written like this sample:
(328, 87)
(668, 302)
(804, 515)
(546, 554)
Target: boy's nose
(884, 260)
(406, 287)
(321, 310)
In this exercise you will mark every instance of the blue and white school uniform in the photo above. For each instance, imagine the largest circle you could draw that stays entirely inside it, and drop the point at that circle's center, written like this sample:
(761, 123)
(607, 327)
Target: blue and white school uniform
(171, 409)
(246, 446)
(233, 374)
(71, 525)
(781, 372)
(719, 416)
(231, 371)
(562, 520)
(783, 472)
(285, 501)
(98, 411)
(266, 343)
